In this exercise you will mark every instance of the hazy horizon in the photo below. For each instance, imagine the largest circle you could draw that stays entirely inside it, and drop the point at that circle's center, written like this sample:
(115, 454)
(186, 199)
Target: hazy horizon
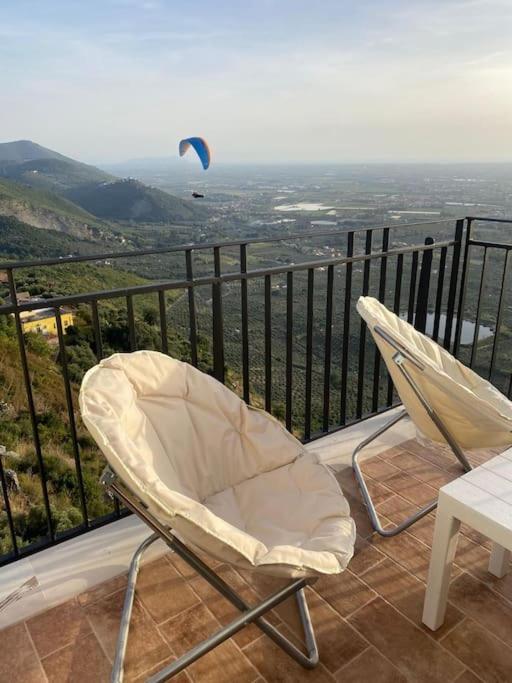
(299, 162)
(265, 82)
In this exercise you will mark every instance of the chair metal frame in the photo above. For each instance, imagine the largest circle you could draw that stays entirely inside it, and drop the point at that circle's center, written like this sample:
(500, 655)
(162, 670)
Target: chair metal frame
(249, 615)
(401, 358)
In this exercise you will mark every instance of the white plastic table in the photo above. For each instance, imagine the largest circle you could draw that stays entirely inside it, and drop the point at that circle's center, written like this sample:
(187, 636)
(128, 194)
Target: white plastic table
(482, 499)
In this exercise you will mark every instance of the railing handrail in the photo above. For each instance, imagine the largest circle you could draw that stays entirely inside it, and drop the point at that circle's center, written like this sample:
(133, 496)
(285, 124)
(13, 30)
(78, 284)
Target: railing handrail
(490, 245)
(198, 246)
(489, 220)
(156, 286)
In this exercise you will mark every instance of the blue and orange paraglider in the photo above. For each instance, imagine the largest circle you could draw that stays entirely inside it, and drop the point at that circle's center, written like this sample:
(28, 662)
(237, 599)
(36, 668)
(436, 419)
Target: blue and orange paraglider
(201, 147)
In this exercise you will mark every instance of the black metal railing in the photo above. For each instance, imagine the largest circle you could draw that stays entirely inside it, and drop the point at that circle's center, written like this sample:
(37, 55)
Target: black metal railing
(285, 336)
(486, 264)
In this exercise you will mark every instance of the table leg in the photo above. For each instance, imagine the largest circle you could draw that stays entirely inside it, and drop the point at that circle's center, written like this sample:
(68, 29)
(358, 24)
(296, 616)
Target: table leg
(500, 560)
(443, 551)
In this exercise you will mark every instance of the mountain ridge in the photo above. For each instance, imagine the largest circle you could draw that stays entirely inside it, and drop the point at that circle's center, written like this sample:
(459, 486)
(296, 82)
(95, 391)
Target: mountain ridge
(19, 151)
(101, 194)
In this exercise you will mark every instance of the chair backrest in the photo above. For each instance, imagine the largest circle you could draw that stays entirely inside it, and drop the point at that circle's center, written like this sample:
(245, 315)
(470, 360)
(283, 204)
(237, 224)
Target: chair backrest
(476, 413)
(156, 418)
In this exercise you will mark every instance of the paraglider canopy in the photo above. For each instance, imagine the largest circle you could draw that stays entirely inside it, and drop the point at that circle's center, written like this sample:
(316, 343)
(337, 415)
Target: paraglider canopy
(201, 147)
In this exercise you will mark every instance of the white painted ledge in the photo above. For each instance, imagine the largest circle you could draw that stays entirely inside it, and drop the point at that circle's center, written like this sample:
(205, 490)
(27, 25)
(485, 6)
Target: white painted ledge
(76, 565)
(73, 566)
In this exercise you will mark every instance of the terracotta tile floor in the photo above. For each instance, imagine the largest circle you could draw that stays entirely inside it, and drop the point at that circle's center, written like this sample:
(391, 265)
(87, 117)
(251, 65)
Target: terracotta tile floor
(367, 620)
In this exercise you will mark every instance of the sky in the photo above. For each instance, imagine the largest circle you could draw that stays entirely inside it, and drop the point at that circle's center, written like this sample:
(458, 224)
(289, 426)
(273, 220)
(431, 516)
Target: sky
(261, 80)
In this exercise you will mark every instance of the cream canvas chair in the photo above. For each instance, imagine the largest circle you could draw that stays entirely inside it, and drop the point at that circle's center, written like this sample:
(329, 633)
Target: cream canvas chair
(205, 471)
(448, 402)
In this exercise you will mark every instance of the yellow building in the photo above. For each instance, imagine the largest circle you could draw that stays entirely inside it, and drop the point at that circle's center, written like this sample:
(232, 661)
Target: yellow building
(44, 321)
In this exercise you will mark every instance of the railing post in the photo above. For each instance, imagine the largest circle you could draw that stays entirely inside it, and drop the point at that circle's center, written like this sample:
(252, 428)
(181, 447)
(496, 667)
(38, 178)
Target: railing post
(268, 343)
(454, 276)
(163, 322)
(474, 345)
(346, 330)
(130, 314)
(289, 350)
(308, 385)
(98, 343)
(362, 330)
(8, 511)
(397, 298)
(439, 294)
(328, 347)
(420, 319)
(245, 325)
(382, 297)
(31, 403)
(191, 309)
(218, 322)
(71, 415)
(500, 314)
(462, 293)
(412, 287)
(96, 330)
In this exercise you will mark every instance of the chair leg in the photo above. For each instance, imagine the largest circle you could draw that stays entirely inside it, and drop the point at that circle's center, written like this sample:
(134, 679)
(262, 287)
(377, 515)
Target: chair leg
(309, 634)
(249, 615)
(309, 661)
(459, 454)
(129, 597)
(372, 512)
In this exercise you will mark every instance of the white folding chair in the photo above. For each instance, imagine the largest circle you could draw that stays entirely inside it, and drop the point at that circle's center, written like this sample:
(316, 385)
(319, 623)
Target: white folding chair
(205, 471)
(448, 402)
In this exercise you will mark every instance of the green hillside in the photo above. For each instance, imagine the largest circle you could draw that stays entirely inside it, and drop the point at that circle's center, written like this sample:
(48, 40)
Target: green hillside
(52, 419)
(46, 210)
(131, 200)
(45, 362)
(19, 240)
(76, 278)
(43, 199)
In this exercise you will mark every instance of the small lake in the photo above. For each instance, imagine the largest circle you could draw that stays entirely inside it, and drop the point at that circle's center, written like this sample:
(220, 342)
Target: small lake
(302, 206)
(467, 333)
(279, 221)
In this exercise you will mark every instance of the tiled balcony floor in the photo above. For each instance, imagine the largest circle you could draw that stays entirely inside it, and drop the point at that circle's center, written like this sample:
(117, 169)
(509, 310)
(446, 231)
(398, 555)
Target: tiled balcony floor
(367, 620)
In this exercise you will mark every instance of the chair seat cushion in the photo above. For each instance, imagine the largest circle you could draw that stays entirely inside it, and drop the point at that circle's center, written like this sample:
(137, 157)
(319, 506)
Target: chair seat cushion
(476, 414)
(296, 511)
(226, 477)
